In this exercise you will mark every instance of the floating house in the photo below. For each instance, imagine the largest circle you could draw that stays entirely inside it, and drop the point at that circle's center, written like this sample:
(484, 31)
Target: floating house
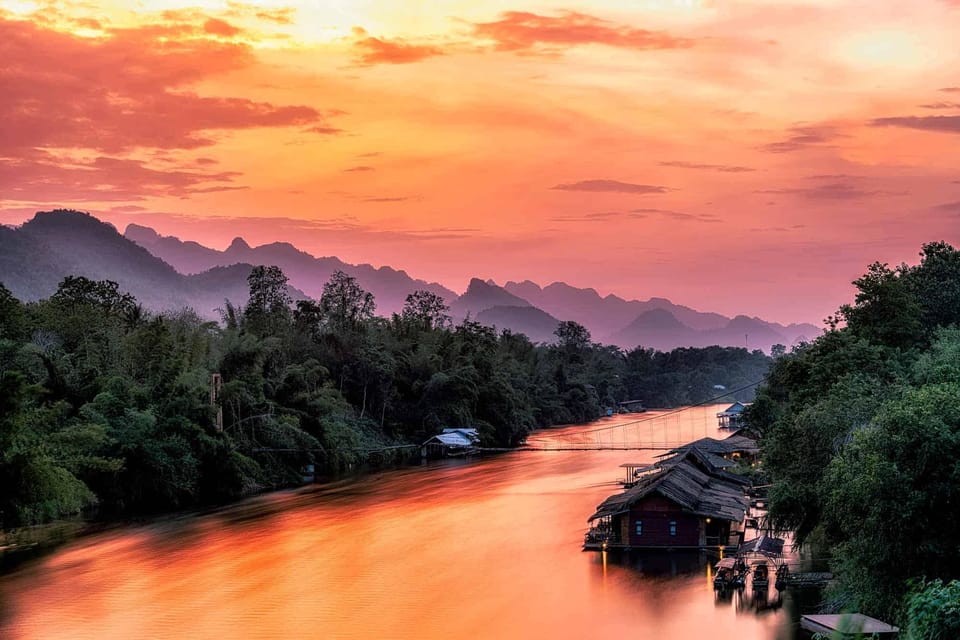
(451, 442)
(674, 504)
(731, 449)
(732, 416)
(631, 406)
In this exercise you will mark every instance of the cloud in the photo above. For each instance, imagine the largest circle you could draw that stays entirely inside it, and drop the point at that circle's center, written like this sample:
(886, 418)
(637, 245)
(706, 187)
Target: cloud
(725, 168)
(945, 124)
(103, 179)
(613, 186)
(281, 15)
(941, 105)
(523, 31)
(950, 89)
(832, 191)
(359, 168)
(373, 50)
(949, 207)
(388, 198)
(804, 137)
(832, 176)
(218, 27)
(674, 215)
(600, 216)
(126, 90)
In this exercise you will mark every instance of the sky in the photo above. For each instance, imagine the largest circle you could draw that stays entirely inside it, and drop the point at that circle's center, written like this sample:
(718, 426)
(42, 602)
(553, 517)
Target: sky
(741, 157)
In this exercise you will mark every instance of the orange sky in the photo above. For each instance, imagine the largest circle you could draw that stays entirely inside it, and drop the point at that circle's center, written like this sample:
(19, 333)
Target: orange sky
(741, 157)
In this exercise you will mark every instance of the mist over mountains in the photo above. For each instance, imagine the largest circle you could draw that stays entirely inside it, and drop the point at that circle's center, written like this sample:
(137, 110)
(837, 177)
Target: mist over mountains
(165, 272)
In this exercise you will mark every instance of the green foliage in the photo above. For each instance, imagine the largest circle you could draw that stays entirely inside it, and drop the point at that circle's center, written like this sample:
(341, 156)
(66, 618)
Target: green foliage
(107, 404)
(933, 611)
(861, 434)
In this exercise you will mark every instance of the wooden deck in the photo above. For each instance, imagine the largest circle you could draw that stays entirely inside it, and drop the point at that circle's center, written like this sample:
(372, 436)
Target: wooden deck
(848, 625)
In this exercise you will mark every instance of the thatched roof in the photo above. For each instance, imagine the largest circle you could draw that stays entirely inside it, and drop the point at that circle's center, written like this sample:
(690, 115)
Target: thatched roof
(686, 486)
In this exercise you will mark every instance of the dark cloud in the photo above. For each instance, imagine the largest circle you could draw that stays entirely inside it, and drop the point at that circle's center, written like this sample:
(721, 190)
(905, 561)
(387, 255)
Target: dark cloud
(102, 179)
(832, 191)
(949, 207)
(832, 176)
(614, 186)
(674, 215)
(525, 31)
(941, 105)
(600, 216)
(944, 124)
(388, 198)
(359, 168)
(802, 137)
(725, 168)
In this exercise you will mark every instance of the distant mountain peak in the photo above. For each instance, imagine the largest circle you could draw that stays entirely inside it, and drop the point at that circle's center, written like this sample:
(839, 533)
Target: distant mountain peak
(238, 244)
(141, 234)
(659, 320)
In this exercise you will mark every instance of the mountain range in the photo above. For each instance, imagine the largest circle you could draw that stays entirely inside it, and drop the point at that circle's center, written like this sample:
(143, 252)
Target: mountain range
(165, 272)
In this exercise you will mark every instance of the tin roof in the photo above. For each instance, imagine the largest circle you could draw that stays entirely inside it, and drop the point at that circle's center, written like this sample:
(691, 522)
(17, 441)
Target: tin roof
(456, 437)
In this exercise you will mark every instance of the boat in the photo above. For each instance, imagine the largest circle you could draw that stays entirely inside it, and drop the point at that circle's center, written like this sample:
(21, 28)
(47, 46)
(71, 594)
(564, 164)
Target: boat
(761, 575)
(730, 572)
(783, 576)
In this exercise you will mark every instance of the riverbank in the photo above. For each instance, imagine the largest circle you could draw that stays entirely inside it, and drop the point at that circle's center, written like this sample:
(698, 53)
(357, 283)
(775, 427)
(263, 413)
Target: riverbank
(484, 548)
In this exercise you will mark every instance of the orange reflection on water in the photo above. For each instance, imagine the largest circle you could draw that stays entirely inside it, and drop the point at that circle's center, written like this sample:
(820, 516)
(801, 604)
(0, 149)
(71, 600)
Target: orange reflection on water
(477, 549)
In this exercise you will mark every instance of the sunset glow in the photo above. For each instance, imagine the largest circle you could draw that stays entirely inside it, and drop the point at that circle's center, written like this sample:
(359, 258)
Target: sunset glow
(740, 157)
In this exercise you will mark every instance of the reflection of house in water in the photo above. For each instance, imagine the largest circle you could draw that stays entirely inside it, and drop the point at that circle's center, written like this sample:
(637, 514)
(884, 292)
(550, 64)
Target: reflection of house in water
(732, 416)
(451, 442)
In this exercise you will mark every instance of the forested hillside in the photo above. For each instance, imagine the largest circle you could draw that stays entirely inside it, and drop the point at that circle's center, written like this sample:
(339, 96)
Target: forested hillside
(103, 403)
(861, 435)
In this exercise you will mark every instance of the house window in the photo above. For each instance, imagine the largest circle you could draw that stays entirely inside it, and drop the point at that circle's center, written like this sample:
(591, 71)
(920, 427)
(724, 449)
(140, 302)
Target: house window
(673, 527)
(638, 527)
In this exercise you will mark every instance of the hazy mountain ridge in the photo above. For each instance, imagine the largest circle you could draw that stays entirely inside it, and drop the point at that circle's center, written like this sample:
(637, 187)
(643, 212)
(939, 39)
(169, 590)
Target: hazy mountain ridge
(308, 273)
(536, 324)
(629, 323)
(481, 296)
(36, 256)
(169, 273)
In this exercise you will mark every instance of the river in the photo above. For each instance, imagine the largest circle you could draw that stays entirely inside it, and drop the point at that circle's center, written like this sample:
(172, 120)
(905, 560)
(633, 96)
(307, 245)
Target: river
(486, 548)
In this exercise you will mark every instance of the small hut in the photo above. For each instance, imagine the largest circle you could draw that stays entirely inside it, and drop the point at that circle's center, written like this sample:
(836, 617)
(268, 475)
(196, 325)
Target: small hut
(732, 416)
(451, 442)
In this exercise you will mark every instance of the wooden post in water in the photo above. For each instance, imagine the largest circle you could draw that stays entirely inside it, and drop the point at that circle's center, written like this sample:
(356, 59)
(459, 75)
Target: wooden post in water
(216, 383)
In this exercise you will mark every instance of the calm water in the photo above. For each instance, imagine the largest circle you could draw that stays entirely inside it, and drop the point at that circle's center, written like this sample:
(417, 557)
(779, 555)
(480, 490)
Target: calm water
(476, 549)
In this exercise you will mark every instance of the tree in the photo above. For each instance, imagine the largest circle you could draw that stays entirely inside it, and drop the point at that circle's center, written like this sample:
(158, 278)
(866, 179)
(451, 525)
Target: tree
(426, 310)
(103, 294)
(269, 305)
(344, 303)
(572, 336)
